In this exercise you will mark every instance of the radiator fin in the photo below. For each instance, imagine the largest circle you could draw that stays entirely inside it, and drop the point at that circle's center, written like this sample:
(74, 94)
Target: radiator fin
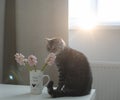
(106, 80)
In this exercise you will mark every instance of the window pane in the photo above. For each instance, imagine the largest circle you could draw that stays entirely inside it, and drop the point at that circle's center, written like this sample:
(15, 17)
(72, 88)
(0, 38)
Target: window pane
(108, 11)
(81, 13)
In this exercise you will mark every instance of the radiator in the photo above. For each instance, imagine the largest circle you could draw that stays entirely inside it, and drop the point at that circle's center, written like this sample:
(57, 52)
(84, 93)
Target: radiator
(106, 80)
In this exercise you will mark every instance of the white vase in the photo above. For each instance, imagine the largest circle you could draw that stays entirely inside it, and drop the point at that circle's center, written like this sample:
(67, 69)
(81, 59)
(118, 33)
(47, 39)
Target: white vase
(36, 81)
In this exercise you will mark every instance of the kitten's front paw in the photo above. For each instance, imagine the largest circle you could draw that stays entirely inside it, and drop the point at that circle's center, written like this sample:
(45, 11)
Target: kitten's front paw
(50, 84)
(50, 88)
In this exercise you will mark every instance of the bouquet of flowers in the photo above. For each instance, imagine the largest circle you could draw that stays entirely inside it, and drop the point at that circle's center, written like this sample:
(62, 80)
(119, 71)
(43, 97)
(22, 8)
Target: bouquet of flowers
(31, 61)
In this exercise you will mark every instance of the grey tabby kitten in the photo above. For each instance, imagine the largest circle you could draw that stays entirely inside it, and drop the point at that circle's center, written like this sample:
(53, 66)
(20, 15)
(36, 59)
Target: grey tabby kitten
(75, 77)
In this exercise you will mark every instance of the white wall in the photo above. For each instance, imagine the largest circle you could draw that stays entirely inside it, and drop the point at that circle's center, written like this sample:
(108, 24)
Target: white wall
(36, 20)
(2, 5)
(102, 44)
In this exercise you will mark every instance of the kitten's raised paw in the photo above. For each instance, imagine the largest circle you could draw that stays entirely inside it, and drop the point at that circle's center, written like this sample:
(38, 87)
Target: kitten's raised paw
(50, 84)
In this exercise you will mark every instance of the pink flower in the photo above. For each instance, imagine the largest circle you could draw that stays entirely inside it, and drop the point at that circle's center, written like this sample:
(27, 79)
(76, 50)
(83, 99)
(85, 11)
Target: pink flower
(50, 59)
(19, 58)
(32, 60)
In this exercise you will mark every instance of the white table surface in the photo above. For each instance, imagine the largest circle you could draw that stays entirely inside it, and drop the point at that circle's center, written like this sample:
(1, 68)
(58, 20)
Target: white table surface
(21, 92)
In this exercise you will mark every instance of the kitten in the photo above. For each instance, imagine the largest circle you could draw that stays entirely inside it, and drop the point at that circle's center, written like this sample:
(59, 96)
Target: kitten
(75, 76)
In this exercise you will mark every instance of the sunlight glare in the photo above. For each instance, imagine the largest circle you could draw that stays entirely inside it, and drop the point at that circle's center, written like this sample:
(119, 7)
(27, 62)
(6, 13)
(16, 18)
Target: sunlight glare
(82, 15)
(88, 23)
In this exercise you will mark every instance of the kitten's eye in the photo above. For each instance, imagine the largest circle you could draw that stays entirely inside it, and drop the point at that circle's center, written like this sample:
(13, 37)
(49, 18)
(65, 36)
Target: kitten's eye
(48, 47)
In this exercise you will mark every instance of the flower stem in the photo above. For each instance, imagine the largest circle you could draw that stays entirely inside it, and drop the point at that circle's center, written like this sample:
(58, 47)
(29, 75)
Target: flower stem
(44, 66)
(28, 68)
(35, 68)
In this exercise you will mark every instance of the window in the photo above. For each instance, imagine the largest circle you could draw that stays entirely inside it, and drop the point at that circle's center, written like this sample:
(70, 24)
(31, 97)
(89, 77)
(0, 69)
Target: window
(108, 11)
(89, 13)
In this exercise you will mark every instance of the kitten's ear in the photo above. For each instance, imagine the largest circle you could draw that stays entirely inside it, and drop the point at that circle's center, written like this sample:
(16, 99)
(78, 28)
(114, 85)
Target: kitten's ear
(48, 39)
